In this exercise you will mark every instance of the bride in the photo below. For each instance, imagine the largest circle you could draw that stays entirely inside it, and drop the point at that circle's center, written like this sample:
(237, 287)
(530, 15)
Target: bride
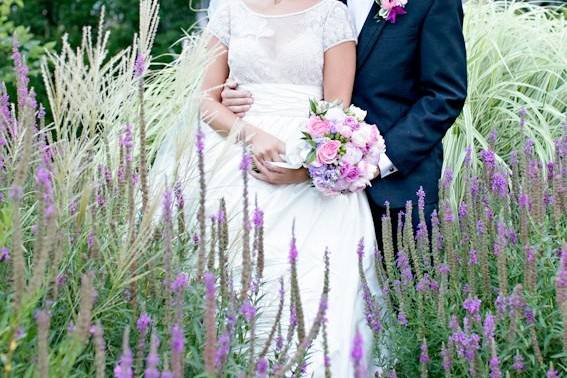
(285, 53)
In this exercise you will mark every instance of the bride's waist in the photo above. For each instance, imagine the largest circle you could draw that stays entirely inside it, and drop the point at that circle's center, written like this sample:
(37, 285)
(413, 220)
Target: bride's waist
(285, 100)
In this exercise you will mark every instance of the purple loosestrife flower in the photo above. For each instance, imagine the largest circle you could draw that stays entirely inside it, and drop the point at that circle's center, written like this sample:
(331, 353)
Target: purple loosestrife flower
(223, 349)
(522, 113)
(143, 323)
(357, 355)
(489, 326)
(152, 360)
(262, 368)
(210, 323)
(246, 162)
(488, 158)
(499, 184)
(421, 198)
(447, 178)
(529, 147)
(519, 365)
(424, 355)
(127, 141)
(248, 311)
(494, 362)
(404, 268)
(447, 361)
(472, 306)
(180, 283)
(258, 218)
(468, 156)
(22, 73)
(124, 367)
(552, 373)
(4, 254)
(177, 341)
(561, 279)
(402, 319)
(463, 210)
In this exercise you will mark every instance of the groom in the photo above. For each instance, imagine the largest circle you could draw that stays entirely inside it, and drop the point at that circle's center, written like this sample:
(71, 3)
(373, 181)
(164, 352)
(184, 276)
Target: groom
(412, 79)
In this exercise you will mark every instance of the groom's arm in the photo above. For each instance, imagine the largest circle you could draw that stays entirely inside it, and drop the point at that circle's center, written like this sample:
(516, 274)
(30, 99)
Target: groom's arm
(443, 87)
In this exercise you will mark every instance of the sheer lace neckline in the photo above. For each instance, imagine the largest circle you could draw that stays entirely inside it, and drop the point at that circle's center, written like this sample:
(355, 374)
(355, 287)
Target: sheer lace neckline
(289, 14)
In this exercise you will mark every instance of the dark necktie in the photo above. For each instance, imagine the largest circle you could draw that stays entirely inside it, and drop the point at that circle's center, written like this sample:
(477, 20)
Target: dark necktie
(344, 1)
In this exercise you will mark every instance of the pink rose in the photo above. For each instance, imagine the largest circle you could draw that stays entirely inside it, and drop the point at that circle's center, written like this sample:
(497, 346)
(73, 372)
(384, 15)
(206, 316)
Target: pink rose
(318, 127)
(327, 152)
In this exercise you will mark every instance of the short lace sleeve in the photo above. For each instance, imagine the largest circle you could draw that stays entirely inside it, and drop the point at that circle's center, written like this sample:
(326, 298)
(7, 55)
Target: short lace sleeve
(338, 26)
(219, 23)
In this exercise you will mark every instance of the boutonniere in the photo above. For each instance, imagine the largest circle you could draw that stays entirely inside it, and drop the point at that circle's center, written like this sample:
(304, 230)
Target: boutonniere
(391, 9)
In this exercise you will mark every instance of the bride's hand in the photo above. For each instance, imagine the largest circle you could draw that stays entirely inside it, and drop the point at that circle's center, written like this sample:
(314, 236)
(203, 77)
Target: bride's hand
(265, 146)
(278, 176)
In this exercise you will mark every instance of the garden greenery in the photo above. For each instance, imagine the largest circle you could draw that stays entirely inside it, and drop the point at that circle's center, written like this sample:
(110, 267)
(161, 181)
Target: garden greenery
(103, 270)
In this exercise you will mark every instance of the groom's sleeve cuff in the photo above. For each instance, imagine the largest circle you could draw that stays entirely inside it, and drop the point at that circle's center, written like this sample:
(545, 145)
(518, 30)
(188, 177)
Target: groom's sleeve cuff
(386, 166)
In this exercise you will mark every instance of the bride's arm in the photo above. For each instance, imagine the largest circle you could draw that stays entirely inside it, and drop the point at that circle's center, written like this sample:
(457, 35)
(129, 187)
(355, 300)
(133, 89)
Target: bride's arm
(338, 72)
(221, 119)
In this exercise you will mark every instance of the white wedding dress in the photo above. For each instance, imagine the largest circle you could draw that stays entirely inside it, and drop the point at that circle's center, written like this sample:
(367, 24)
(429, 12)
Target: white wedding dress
(279, 59)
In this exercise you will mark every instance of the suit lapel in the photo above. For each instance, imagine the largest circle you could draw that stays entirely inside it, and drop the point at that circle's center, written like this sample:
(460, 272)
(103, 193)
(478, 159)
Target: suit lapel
(369, 35)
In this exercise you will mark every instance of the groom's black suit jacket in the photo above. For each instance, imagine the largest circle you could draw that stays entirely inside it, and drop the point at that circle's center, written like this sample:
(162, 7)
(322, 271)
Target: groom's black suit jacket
(412, 79)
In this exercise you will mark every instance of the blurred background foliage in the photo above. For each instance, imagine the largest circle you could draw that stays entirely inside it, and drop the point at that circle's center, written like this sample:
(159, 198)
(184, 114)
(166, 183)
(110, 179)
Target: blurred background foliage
(40, 25)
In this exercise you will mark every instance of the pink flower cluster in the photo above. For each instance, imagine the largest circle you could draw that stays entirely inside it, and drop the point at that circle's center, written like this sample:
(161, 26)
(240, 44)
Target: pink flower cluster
(343, 150)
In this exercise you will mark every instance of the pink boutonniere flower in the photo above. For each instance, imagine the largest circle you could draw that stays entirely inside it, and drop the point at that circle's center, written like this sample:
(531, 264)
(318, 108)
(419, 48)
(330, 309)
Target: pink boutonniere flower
(391, 9)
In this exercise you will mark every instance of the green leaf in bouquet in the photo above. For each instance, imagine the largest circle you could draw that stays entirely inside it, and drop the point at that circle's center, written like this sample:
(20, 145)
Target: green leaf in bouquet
(311, 157)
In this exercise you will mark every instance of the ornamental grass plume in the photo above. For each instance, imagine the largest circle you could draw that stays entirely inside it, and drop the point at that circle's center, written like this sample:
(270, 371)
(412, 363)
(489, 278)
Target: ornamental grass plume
(210, 323)
(139, 71)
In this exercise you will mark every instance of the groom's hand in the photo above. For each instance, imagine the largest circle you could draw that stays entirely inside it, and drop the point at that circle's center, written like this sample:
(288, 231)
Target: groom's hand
(278, 176)
(236, 100)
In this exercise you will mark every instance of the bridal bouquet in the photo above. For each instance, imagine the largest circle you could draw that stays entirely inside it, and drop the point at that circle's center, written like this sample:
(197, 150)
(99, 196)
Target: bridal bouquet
(339, 149)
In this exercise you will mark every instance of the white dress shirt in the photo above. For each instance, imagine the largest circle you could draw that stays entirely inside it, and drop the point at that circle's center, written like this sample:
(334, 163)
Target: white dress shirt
(359, 10)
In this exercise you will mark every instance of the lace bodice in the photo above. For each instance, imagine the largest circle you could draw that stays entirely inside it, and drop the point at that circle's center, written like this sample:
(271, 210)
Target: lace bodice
(280, 49)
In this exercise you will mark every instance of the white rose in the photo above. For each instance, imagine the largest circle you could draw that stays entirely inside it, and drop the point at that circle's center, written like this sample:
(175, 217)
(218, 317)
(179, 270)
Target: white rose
(296, 153)
(361, 136)
(358, 113)
(353, 155)
(336, 115)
